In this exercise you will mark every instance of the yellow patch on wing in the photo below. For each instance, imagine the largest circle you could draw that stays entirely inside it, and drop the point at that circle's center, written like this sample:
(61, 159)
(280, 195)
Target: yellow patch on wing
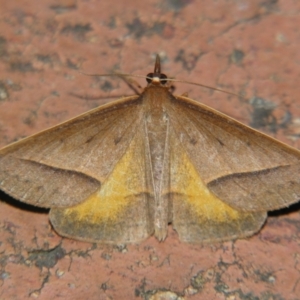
(187, 182)
(116, 193)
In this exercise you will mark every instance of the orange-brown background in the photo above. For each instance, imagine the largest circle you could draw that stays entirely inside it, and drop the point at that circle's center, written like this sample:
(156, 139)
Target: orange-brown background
(249, 47)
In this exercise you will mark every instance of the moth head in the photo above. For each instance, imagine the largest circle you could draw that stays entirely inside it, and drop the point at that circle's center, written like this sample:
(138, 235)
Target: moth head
(157, 77)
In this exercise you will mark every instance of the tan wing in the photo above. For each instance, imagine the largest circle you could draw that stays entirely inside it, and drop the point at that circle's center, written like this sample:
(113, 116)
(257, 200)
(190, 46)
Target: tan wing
(246, 169)
(197, 214)
(121, 211)
(67, 163)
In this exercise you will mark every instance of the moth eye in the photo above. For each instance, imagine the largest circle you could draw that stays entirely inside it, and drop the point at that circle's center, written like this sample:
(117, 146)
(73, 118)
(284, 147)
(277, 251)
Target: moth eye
(149, 77)
(163, 78)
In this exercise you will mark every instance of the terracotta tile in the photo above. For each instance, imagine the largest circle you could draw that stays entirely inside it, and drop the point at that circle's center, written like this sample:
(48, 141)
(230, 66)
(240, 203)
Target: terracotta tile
(246, 47)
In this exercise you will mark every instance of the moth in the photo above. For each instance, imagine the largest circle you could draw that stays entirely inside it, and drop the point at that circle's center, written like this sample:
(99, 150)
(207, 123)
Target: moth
(124, 171)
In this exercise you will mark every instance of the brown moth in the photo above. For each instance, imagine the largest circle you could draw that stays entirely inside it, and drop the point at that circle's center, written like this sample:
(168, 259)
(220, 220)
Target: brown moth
(124, 171)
